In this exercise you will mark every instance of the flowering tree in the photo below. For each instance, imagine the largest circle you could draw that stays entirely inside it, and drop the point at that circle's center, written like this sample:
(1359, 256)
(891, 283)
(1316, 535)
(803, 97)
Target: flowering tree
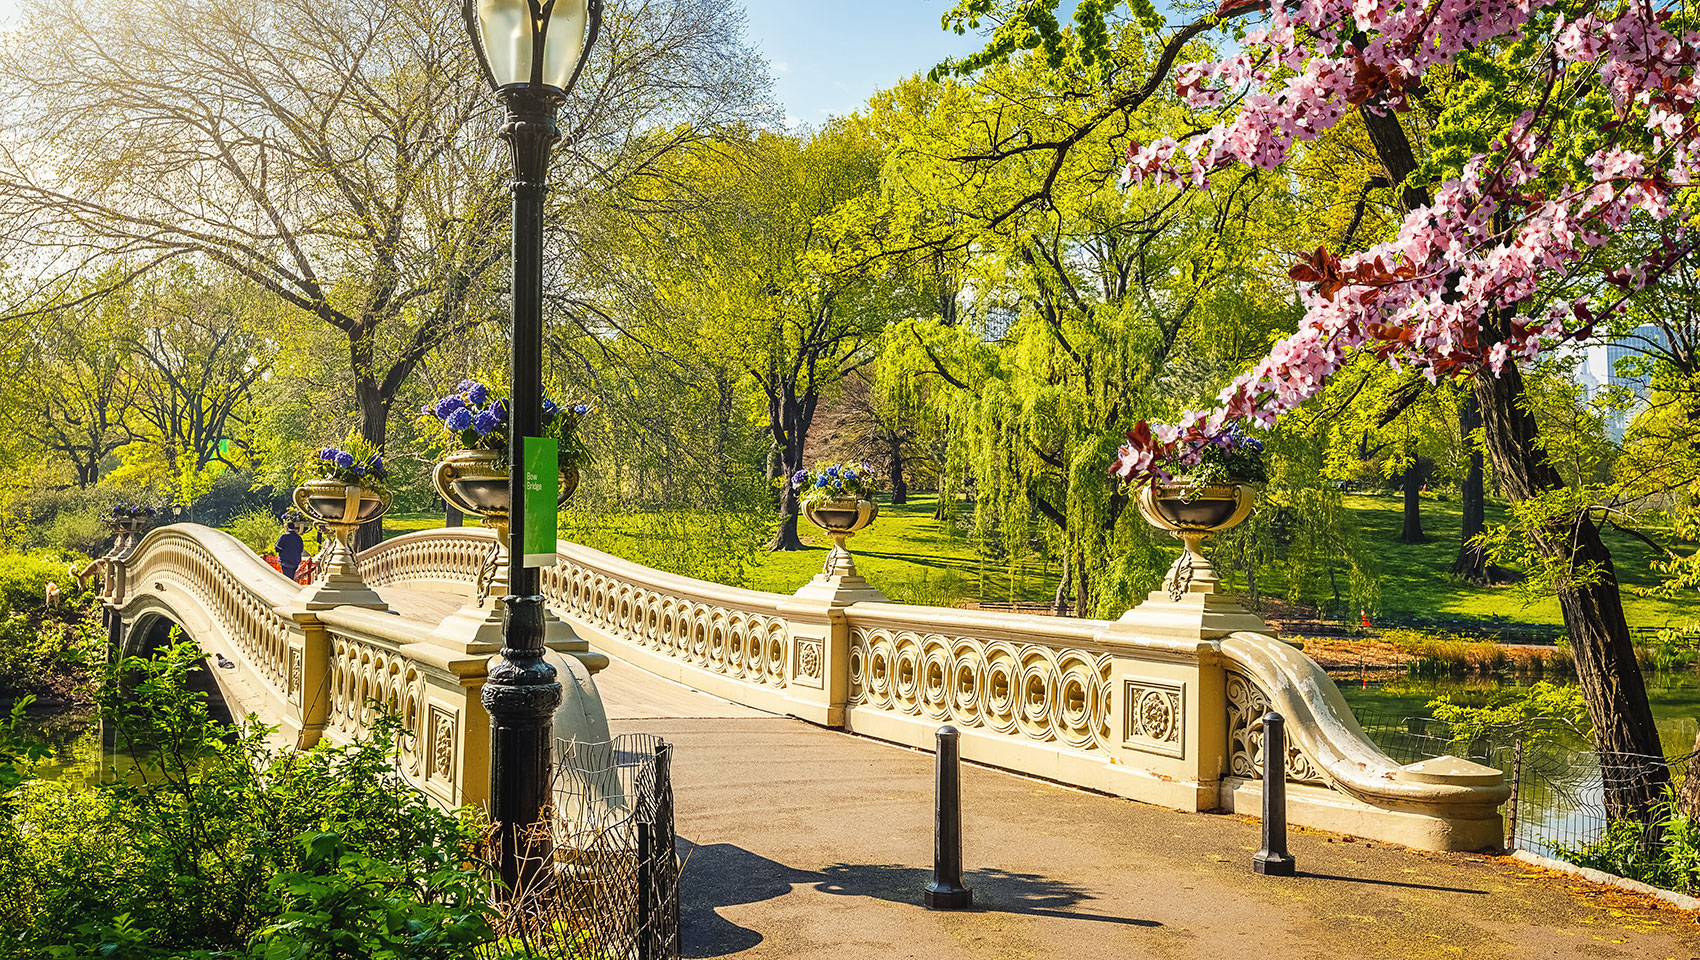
(1553, 128)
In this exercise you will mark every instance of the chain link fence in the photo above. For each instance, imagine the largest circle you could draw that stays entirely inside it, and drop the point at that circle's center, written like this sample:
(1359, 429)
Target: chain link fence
(611, 889)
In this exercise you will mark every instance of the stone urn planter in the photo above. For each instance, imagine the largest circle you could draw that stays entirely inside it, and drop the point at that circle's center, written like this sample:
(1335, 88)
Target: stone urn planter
(340, 508)
(841, 519)
(125, 532)
(1193, 514)
(476, 482)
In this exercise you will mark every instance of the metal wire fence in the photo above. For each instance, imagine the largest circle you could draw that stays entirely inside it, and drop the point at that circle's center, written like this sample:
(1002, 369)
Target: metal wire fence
(1566, 800)
(610, 889)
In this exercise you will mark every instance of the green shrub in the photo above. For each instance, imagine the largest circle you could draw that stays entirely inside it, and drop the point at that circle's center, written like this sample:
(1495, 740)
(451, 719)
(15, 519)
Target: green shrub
(257, 528)
(24, 580)
(216, 845)
(1663, 851)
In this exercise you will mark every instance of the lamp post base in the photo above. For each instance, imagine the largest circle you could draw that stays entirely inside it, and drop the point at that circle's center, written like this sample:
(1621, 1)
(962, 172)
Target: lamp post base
(940, 896)
(1273, 864)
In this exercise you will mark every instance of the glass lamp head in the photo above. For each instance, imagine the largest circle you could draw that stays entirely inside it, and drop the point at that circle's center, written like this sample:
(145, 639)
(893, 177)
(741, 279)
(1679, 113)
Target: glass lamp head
(532, 43)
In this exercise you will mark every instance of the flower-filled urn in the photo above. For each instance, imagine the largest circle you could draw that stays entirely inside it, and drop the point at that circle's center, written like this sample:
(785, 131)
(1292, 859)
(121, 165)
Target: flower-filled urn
(342, 488)
(473, 474)
(839, 499)
(1192, 490)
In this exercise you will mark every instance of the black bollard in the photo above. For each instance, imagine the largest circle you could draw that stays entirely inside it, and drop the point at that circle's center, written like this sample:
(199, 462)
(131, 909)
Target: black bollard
(1273, 860)
(946, 892)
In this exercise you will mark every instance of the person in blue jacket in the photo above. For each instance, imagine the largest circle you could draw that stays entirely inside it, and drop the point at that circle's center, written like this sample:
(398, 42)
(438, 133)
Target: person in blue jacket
(289, 549)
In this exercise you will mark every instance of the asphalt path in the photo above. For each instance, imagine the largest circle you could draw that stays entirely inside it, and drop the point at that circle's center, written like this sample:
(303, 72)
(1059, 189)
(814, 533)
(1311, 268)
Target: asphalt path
(799, 841)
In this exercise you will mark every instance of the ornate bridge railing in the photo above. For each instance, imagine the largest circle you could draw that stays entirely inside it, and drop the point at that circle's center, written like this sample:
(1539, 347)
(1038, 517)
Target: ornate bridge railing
(321, 673)
(1163, 705)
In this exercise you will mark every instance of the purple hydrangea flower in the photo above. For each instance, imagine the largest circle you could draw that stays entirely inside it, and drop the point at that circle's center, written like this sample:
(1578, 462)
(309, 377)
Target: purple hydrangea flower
(327, 453)
(823, 481)
(500, 409)
(344, 459)
(798, 478)
(832, 471)
(357, 470)
(582, 409)
(478, 393)
(458, 420)
(486, 422)
(838, 484)
(549, 407)
(447, 406)
(377, 464)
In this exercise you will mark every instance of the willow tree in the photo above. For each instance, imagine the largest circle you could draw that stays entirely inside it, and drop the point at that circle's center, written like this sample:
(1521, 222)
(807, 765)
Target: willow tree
(1086, 310)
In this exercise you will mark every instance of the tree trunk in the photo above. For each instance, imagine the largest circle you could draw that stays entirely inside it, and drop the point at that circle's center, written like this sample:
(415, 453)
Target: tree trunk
(1625, 736)
(791, 426)
(1688, 795)
(1059, 603)
(894, 467)
(374, 426)
(786, 538)
(1081, 584)
(1471, 566)
(1412, 482)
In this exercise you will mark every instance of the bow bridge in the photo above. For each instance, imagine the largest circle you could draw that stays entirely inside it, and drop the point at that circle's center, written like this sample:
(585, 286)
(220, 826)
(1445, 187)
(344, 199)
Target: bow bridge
(1162, 705)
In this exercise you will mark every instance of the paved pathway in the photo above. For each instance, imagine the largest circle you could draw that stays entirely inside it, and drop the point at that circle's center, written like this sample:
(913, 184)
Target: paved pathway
(805, 842)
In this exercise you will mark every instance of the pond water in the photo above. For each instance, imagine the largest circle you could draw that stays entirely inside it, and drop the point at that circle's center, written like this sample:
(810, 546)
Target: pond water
(1560, 793)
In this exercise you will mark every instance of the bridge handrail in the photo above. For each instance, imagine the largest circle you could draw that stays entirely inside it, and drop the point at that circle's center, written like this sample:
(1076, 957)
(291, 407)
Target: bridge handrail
(1322, 726)
(249, 607)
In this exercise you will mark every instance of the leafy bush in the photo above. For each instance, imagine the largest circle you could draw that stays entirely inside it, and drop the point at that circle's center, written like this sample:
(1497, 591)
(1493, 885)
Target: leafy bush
(1664, 851)
(1540, 708)
(24, 580)
(215, 845)
(257, 528)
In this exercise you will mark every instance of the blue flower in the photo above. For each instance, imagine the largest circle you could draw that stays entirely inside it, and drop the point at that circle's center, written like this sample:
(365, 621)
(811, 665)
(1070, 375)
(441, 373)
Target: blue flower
(849, 474)
(430, 409)
(798, 478)
(458, 420)
(832, 471)
(344, 459)
(477, 393)
(357, 470)
(838, 484)
(549, 407)
(377, 464)
(823, 481)
(582, 409)
(486, 422)
(327, 453)
(500, 409)
(447, 406)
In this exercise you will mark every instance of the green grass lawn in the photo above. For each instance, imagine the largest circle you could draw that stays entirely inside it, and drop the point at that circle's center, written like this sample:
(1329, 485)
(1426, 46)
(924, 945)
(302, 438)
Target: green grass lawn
(1416, 579)
(909, 555)
(916, 559)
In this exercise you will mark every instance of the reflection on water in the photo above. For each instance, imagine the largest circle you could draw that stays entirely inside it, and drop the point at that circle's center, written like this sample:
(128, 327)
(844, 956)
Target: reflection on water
(1560, 796)
(82, 753)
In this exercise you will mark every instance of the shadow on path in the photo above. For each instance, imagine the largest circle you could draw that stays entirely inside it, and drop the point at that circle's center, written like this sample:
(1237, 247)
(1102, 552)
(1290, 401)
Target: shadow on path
(1388, 883)
(723, 875)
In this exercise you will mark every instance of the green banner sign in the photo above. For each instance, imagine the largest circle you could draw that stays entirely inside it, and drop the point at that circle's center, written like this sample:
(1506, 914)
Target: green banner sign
(542, 486)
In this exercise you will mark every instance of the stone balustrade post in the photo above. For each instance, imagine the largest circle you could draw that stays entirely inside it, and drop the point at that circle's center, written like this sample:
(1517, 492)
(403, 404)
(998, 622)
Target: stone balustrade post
(308, 680)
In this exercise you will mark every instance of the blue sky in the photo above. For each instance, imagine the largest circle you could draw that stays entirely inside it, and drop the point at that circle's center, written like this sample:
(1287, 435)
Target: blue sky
(828, 56)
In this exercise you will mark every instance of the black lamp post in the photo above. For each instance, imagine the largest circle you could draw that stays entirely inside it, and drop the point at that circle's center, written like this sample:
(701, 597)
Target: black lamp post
(532, 53)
